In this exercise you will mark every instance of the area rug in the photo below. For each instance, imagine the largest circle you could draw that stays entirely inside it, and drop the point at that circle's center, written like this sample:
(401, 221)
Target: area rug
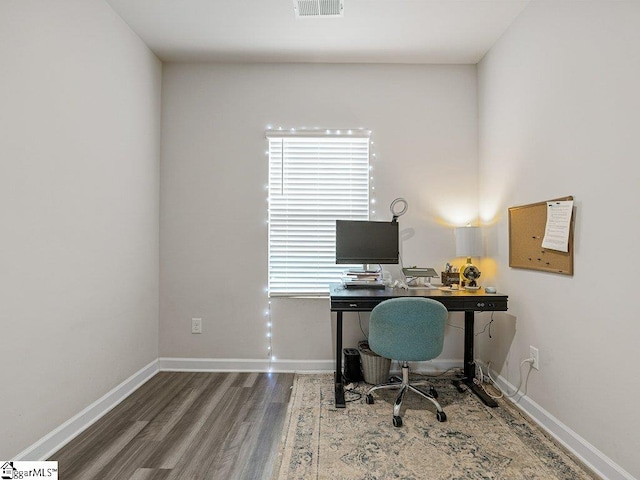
(360, 441)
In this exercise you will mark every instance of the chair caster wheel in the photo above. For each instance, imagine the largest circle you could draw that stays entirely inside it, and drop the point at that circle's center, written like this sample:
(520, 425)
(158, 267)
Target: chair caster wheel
(441, 416)
(433, 392)
(397, 421)
(368, 399)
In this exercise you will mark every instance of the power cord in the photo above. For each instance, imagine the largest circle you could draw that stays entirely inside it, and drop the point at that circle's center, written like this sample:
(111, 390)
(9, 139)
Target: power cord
(352, 394)
(360, 323)
(486, 326)
(502, 393)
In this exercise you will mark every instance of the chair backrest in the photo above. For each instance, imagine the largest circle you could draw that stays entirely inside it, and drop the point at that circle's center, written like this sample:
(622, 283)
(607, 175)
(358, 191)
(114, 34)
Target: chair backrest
(408, 329)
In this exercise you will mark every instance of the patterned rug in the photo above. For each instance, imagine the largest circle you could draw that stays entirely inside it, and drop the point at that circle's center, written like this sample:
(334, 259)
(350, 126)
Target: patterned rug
(360, 442)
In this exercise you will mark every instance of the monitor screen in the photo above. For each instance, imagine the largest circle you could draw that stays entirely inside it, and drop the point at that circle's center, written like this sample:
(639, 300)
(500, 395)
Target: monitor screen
(359, 241)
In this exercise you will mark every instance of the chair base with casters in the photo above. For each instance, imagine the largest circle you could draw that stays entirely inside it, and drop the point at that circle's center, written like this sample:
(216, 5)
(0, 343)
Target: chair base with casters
(404, 386)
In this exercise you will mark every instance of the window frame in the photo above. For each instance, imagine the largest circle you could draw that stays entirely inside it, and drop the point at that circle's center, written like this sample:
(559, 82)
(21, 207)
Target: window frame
(302, 209)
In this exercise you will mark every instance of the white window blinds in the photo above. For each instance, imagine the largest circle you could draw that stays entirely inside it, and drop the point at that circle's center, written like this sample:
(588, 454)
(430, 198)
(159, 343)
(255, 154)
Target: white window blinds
(314, 179)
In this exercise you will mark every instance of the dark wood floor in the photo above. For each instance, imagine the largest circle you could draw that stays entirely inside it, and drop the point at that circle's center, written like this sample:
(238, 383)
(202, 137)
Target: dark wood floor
(186, 426)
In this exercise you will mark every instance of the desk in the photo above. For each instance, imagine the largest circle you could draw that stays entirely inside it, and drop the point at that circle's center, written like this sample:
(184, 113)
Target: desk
(467, 301)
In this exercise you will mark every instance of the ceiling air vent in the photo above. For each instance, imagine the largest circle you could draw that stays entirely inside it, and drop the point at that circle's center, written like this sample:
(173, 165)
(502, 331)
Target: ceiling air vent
(318, 8)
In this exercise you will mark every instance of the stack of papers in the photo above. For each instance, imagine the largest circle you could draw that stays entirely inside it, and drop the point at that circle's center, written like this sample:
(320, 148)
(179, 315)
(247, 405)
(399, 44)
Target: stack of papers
(362, 278)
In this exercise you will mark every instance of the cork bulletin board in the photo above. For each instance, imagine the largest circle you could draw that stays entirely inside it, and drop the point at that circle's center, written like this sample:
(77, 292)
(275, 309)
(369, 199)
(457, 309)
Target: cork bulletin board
(526, 231)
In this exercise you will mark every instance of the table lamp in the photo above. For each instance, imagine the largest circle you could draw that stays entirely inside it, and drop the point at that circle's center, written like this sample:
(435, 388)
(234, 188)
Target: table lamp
(468, 244)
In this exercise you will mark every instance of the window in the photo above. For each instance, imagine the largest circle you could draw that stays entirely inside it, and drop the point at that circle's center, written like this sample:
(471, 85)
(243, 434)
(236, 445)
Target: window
(314, 179)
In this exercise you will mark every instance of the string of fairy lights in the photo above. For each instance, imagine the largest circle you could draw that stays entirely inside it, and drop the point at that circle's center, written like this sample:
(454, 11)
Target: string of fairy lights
(270, 354)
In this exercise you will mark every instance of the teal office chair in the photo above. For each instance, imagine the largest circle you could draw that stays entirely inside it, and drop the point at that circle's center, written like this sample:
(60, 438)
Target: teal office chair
(408, 330)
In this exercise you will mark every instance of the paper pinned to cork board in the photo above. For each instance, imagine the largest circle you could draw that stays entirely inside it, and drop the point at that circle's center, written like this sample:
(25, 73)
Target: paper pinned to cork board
(556, 232)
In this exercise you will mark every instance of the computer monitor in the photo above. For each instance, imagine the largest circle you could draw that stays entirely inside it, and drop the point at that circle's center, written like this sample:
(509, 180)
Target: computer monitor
(366, 242)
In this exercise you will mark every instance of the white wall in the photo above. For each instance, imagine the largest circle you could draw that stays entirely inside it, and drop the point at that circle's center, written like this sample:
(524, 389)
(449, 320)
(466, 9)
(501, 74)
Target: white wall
(79, 156)
(559, 115)
(213, 197)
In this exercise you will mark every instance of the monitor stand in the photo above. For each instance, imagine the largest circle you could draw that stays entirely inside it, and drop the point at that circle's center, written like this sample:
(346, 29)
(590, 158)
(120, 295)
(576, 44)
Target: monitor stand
(417, 273)
(426, 286)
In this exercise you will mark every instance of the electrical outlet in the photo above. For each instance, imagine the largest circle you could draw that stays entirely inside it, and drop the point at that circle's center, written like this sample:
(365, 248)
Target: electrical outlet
(533, 353)
(196, 325)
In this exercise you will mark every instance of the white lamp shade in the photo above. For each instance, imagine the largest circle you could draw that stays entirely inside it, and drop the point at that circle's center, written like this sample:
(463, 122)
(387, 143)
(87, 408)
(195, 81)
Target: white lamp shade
(468, 241)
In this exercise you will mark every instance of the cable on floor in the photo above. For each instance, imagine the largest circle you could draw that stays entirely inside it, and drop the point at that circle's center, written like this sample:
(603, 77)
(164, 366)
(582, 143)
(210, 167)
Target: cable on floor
(495, 384)
(353, 394)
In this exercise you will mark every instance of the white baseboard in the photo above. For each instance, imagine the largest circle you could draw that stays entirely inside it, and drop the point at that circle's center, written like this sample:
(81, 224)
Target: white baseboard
(578, 446)
(167, 364)
(56, 439)
(432, 366)
(243, 365)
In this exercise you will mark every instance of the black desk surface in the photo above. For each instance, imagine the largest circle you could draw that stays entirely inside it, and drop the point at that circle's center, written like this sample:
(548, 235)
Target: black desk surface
(363, 300)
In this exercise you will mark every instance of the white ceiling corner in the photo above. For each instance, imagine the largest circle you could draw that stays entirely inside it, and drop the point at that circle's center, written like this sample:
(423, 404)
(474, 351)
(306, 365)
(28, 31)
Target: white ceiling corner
(369, 31)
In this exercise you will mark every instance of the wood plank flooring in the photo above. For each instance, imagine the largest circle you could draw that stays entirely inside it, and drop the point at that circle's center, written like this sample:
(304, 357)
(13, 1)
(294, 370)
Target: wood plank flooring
(185, 426)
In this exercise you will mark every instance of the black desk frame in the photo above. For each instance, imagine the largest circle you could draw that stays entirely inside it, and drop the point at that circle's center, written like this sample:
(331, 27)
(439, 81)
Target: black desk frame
(363, 300)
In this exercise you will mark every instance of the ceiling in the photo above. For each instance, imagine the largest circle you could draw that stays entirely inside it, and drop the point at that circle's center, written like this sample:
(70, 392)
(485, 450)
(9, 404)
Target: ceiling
(370, 31)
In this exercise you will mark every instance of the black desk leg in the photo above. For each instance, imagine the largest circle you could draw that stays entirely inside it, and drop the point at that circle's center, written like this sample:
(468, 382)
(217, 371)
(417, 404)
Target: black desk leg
(339, 386)
(470, 364)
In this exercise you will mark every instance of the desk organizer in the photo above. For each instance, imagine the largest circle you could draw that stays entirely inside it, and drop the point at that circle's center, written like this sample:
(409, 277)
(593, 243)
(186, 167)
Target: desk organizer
(449, 278)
